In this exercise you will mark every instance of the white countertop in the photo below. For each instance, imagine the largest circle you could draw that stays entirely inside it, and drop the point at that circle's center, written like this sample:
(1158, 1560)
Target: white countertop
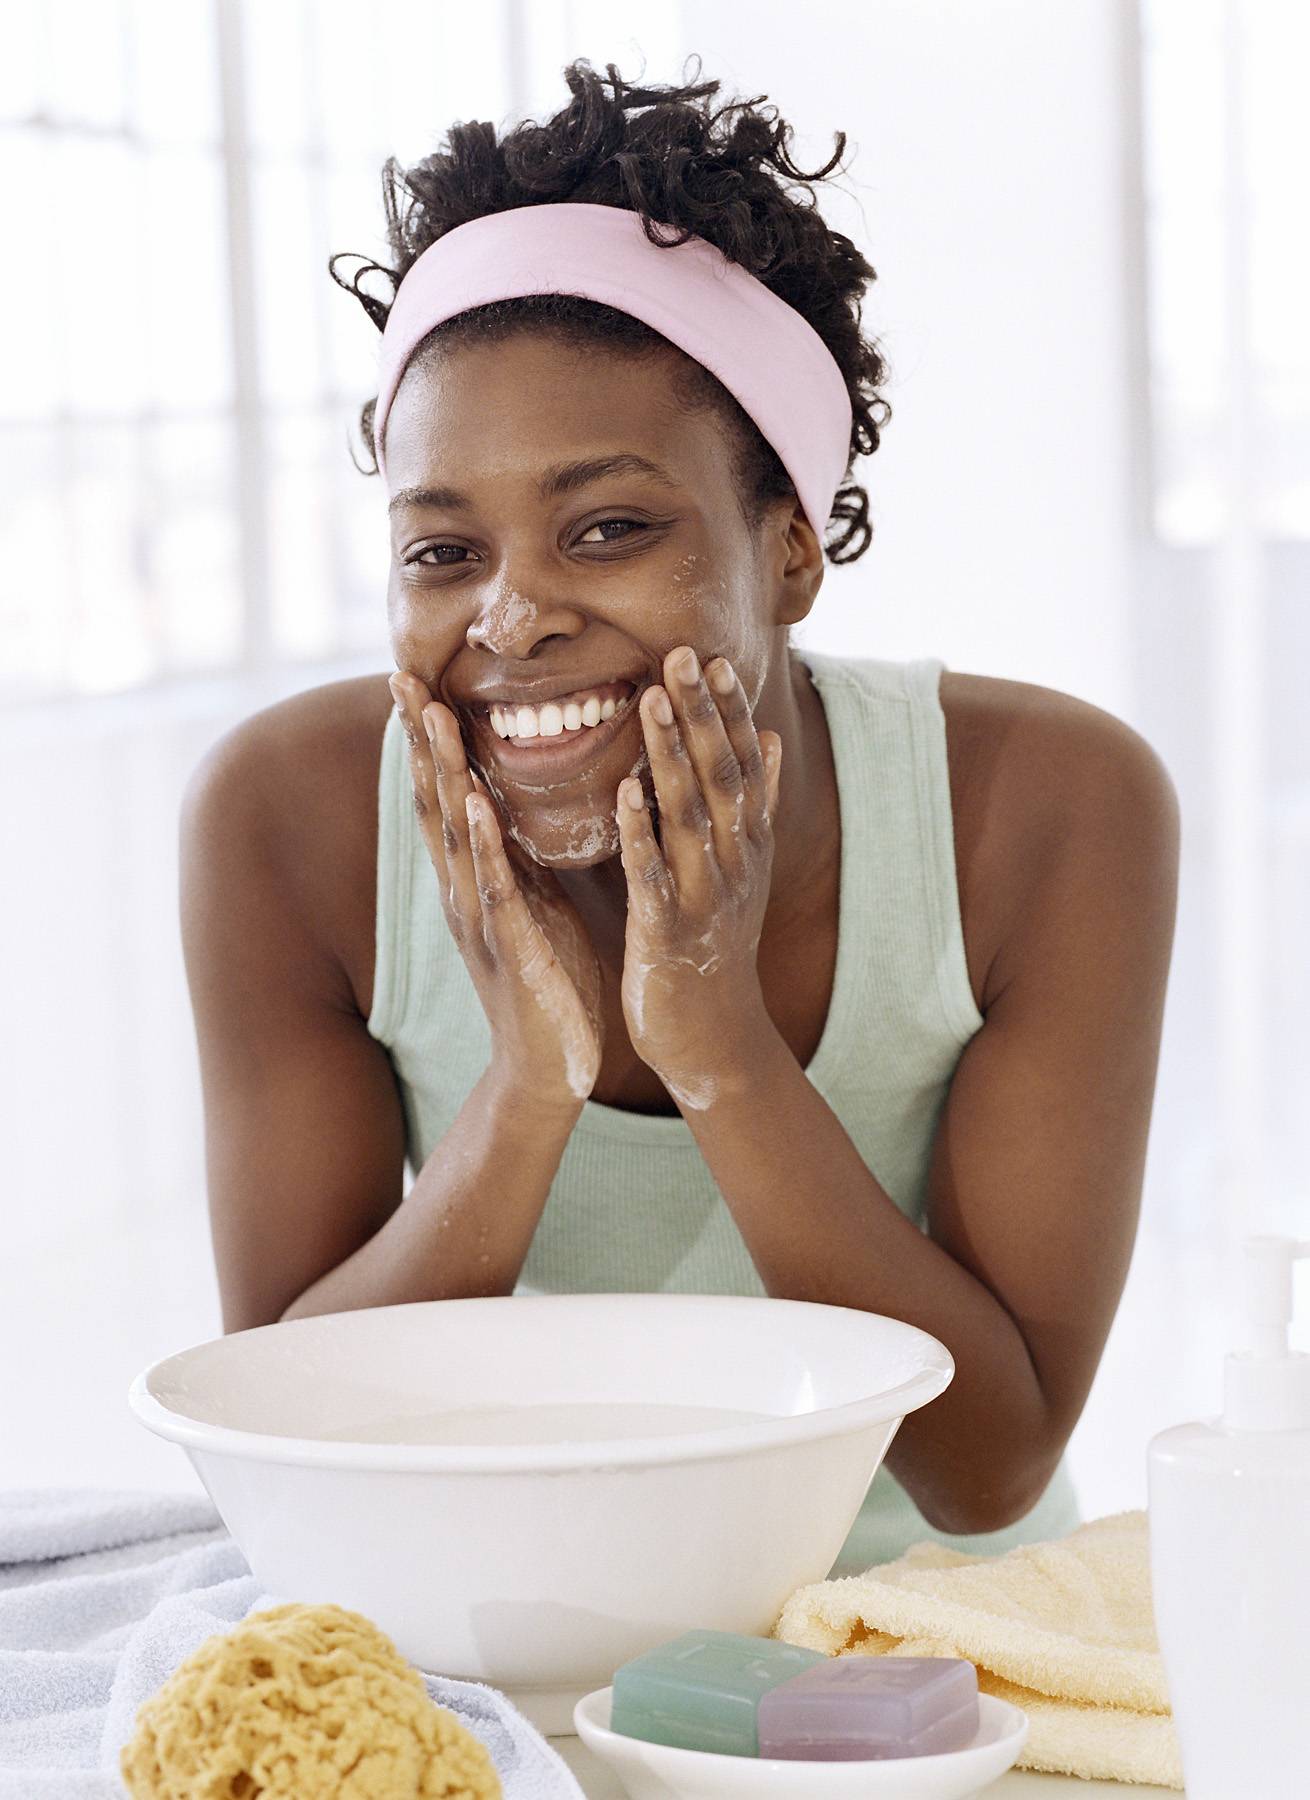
(598, 1783)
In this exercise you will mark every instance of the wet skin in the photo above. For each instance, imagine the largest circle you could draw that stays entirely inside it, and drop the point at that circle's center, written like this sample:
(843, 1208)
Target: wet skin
(610, 579)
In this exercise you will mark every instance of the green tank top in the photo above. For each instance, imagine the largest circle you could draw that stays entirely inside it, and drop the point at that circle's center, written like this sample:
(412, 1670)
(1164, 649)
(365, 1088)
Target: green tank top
(633, 1207)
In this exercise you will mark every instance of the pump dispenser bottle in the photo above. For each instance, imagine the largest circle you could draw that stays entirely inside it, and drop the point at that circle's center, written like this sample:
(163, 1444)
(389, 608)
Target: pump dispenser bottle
(1228, 1516)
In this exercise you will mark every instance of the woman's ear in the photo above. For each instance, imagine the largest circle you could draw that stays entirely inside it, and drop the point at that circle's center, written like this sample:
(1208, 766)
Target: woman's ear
(801, 574)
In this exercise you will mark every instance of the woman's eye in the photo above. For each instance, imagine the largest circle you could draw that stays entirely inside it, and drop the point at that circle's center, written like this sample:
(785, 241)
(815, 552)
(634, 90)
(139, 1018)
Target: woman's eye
(427, 551)
(600, 525)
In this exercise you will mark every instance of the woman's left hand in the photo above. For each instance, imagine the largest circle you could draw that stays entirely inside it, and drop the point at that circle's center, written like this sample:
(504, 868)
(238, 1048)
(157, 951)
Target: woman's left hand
(691, 991)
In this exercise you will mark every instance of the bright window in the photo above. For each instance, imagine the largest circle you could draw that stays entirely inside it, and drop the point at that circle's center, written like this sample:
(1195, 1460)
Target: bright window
(180, 378)
(1226, 156)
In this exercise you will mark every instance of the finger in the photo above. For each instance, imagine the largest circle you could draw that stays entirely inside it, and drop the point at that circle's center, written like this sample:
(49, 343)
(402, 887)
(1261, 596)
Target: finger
(739, 726)
(714, 749)
(509, 930)
(650, 885)
(454, 784)
(411, 696)
(686, 829)
(522, 864)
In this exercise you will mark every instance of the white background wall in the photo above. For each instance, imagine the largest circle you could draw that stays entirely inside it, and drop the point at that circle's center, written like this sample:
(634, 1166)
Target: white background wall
(991, 185)
(985, 187)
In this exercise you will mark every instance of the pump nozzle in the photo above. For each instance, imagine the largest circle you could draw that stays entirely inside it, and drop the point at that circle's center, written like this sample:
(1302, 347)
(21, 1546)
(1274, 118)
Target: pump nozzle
(1267, 1386)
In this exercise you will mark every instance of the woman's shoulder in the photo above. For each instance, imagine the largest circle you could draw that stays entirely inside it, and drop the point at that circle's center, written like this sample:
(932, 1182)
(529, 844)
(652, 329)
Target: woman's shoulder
(333, 731)
(1038, 748)
(1038, 775)
(314, 759)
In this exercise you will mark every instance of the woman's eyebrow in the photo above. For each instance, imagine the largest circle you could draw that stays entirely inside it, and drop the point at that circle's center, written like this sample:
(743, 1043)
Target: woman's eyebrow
(564, 478)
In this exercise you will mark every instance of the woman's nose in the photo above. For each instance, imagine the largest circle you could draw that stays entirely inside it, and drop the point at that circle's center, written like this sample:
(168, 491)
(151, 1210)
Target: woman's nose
(512, 625)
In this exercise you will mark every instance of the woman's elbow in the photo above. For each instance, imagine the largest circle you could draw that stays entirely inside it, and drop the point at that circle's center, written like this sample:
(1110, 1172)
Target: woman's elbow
(980, 1506)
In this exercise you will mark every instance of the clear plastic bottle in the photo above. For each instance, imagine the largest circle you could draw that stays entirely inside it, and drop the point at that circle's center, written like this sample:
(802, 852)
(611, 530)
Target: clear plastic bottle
(1229, 1521)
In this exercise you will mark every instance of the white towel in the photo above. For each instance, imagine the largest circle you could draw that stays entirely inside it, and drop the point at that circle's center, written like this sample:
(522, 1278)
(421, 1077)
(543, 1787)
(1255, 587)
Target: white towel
(1064, 1629)
(103, 1594)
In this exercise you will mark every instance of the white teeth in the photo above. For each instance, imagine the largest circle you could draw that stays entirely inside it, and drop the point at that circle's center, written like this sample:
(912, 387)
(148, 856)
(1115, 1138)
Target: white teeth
(551, 719)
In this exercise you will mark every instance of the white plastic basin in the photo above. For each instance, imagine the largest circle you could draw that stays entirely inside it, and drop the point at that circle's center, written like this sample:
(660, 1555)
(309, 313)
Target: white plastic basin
(541, 1567)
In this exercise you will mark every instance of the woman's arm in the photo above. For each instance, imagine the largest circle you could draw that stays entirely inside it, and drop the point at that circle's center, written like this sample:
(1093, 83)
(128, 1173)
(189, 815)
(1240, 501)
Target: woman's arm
(1036, 1173)
(304, 1129)
(467, 1224)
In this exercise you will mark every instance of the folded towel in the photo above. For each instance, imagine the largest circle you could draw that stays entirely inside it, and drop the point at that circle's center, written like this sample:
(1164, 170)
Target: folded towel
(1063, 1629)
(103, 1594)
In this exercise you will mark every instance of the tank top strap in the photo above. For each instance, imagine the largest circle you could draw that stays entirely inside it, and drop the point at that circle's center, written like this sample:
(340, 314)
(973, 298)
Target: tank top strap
(888, 735)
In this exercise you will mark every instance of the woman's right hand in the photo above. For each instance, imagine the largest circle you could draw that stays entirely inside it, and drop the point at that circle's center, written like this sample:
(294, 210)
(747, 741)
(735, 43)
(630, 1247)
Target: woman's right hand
(522, 939)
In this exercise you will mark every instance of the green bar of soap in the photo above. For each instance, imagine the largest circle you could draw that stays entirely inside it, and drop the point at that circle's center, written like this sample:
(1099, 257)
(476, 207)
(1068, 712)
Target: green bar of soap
(700, 1691)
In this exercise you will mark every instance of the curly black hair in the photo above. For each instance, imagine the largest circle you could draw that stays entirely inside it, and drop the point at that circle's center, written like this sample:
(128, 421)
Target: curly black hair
(679, 164)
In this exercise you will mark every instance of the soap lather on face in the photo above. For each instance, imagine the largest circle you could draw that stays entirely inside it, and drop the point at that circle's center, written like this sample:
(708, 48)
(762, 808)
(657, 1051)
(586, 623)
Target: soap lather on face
(574, 841)
(601, 580)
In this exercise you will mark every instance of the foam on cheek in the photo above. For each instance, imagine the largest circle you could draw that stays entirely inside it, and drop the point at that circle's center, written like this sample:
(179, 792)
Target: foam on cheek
(718, 623)
(583, 839)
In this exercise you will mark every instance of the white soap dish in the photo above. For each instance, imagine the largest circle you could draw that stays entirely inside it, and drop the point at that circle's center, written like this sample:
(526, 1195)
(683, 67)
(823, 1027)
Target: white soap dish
(660, 1771)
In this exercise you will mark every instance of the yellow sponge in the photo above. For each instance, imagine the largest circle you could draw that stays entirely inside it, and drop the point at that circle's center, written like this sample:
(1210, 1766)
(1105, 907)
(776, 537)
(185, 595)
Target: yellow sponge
(302, 1703)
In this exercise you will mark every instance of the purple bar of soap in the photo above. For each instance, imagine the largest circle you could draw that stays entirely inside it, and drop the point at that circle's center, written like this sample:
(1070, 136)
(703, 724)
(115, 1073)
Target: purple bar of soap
(855, 1707)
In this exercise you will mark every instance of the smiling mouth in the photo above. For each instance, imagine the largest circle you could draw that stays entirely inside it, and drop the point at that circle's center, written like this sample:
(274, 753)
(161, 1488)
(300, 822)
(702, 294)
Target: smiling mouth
(563, 752)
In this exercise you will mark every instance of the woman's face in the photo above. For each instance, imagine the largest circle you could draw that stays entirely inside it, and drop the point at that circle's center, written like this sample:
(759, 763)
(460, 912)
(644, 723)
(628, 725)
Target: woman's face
(500, 584)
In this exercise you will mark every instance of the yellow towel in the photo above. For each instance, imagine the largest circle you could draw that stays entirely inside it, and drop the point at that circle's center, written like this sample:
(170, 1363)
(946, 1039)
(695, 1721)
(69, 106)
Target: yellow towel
(1063, 1629)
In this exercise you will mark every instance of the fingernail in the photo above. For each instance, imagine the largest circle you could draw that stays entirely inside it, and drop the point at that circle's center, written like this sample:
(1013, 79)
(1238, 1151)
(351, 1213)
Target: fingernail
(430, 723)
(662, 707)
(721, 676)
(689, 668)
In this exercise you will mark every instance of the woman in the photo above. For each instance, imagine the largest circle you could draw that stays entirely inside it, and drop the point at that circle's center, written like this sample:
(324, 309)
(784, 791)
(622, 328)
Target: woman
(831, 979)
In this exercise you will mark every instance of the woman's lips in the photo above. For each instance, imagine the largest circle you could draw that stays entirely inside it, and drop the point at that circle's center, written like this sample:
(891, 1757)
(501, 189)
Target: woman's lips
(559, 756)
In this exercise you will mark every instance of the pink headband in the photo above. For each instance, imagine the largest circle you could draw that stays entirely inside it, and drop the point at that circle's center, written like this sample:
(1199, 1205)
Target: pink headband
(766, 355)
